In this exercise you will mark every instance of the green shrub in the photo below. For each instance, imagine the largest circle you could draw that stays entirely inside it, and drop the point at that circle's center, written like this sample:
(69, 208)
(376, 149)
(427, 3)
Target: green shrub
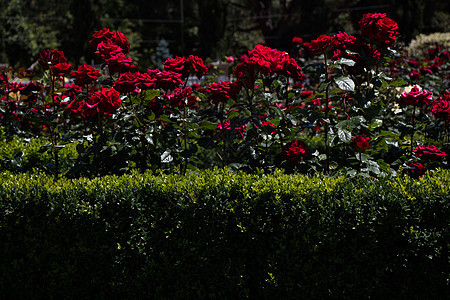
(27, 154)
(220, 235)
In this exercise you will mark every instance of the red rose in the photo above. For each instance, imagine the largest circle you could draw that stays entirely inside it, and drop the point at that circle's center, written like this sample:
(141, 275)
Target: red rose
(185, 66)
(197, 66)
(181, 96)
(76, 108)
(417, 169)
(104, 102)
(178, 65)
(121, 40)
(85, 74)
(379, 29)
(50, 58)
(120, 63)
(61, 69)
(361, 141)
(222, 91)
(416, 97)
(430, 152)
(432, 52)
(195, 86)
(290, 68)
(306, 94)
(3, 78)
(342, 42)
(425, 70)
(316, 101)
(106, 49)
(441, 107)
(126, 83)
(146, 81)
(322, 44)
(102, 35)
(167, 80)
(268, 61)
(245, 72)
(109, 44)
(226, 125)
(294, 151)
(297, 40)
(413, 63)
(414, 75)
(297, 85)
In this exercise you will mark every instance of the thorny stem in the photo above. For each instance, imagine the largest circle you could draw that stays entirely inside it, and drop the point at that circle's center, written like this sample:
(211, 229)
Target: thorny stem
(327, 161)
(53, 137)
(184, 167)
(221, 120)
(412, 131)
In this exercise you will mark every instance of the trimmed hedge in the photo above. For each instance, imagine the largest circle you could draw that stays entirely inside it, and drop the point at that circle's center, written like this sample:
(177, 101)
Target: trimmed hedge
(221, 235)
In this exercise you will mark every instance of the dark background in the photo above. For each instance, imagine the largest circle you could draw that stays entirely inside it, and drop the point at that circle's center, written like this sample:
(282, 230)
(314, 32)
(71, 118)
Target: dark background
(209, 29)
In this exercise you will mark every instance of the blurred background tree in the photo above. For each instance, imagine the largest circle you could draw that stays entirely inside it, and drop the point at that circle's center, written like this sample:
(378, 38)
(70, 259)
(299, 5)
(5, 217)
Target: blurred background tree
(201, 27)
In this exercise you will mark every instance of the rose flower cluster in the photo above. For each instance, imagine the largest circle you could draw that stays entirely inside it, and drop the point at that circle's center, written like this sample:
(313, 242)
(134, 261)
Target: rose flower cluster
(378, 32)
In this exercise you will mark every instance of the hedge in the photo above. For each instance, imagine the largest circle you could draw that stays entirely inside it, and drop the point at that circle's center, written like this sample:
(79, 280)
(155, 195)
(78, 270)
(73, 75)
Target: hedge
(224, 235)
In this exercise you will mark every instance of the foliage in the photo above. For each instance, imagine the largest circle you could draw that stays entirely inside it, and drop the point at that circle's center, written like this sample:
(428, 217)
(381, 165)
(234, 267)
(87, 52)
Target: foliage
(218, 234)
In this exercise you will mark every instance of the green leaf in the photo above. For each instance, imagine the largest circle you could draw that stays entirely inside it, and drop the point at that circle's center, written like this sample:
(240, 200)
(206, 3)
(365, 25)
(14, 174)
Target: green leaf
(345, 83)
(164, 118)
(151, 117)
(344, 135)
(351, 123)
(375, 124)
(135, 99)
(323, 86)
(233, 114)
(208, 125)
(346, 62)
(398, 83)
(137, 122)
(278, 110)
(151, 94)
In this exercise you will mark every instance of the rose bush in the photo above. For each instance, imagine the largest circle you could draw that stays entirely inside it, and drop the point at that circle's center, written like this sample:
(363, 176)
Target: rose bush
(340, 103)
